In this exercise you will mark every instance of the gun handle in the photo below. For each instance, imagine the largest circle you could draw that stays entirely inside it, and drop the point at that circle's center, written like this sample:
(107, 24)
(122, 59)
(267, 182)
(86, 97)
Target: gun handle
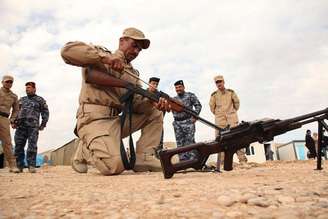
(197, 163)
(228, 160)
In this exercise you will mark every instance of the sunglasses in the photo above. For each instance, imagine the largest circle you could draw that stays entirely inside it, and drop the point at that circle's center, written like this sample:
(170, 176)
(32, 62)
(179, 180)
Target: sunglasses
(9, 82)
(218, 81)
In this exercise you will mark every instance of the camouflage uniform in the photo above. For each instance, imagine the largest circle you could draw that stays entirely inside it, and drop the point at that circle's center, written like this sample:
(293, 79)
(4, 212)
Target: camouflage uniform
(224, 105)
(8, 101)
(184, 128)
(98, 121)
(28, 125)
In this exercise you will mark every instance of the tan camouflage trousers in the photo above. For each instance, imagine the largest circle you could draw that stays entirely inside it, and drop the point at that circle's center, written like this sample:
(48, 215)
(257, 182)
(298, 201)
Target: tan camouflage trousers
(5, 138)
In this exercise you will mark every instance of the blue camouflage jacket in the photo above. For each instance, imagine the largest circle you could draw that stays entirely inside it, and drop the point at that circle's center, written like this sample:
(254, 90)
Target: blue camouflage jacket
(190, 101)
(30, 108)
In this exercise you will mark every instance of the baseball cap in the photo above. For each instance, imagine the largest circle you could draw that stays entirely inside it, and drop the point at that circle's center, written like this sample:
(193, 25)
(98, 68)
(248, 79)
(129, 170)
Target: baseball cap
(7, 78)
(218, 78)
(136, 34)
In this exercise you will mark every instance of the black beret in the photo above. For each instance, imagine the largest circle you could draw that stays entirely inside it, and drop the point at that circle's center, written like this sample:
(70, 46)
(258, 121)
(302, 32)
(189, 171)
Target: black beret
(154, 79)
(179, 82)
(30, 83)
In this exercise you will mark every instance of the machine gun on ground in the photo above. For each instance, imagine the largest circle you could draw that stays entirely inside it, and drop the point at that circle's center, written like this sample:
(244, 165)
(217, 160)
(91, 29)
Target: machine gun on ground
(241, 136)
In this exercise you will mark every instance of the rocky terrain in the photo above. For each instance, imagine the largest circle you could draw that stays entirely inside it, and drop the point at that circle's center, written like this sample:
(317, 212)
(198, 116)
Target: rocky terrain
(272, 190)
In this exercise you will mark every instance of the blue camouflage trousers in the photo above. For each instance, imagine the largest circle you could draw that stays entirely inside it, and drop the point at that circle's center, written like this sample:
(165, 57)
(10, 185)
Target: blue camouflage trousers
(185, 135)
(26, 133)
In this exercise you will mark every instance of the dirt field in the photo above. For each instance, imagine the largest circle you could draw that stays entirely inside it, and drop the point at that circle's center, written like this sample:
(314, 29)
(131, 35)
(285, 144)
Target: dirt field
(272, 190)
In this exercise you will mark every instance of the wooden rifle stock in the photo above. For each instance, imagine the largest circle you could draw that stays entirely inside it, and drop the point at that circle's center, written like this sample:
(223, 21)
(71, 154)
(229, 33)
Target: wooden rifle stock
(104, 79)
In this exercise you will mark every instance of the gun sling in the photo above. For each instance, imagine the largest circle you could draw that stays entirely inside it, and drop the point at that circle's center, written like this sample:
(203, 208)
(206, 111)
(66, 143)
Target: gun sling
(4, 114)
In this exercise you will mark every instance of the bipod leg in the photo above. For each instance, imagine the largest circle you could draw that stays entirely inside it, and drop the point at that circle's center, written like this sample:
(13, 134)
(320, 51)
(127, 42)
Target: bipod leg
(218, 162)
(321, 125)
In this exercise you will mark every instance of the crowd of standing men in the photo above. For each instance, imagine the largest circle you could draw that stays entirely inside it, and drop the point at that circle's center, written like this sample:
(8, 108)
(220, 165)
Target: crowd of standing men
(23, 115)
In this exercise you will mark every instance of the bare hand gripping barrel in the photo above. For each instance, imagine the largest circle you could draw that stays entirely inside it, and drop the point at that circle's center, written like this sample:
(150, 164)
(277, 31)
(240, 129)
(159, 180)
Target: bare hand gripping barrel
(236, 138)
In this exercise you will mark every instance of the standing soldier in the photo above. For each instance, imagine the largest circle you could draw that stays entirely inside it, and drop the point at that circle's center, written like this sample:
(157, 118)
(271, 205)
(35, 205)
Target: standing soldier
(153, 82)
(184, 124)
(8, 101)
(28, 126)
(224, 104)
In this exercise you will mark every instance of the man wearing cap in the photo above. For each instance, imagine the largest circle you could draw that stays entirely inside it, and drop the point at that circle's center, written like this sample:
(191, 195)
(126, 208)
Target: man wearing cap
(28, 126)
(184, 124)
(98, 122)
(224, 104)
(8, 114)
(153, 82)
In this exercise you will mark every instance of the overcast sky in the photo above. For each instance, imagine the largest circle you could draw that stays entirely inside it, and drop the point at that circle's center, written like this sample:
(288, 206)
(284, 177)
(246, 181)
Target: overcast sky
(274, 54)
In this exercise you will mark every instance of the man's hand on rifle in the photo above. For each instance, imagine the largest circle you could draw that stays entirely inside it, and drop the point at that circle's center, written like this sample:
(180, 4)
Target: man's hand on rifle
(114, 62)
(163, 105)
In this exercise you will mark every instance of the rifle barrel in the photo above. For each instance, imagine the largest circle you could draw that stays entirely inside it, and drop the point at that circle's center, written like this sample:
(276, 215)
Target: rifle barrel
(155, 97)
(309, 115)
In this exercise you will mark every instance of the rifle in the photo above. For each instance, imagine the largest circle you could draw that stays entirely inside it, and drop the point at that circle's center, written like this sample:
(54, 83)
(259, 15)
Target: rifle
(241, 136)
(105, 79)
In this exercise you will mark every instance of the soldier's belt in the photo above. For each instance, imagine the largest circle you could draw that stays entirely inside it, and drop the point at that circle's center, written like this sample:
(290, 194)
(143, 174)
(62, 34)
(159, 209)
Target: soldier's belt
(182, 118)
(101, 109)
(4, 114)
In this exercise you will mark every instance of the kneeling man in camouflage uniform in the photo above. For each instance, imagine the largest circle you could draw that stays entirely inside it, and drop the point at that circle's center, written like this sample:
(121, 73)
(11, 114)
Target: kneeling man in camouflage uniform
(98, 121)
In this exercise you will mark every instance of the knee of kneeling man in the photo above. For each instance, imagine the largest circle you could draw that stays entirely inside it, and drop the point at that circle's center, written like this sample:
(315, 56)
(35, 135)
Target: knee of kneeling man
(109, 166)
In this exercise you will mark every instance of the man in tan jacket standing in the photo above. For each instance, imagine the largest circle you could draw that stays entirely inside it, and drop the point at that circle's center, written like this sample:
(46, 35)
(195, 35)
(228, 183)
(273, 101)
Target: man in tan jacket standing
(224, 104)
(98, 121)
(8, 113)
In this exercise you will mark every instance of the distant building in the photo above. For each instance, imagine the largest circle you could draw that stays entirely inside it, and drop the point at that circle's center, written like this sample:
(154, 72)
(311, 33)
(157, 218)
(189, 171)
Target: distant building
(63, 154)
(294, 150)
(256, 152)
(46, 157)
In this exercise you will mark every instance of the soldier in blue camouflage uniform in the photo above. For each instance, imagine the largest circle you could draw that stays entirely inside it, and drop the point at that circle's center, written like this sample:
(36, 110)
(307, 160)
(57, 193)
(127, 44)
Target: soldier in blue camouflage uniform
(184, 124)
(28, 126)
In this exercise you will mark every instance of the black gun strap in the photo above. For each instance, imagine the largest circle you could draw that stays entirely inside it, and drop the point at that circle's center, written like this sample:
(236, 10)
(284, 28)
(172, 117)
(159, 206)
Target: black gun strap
(4, 114)
(75, 131)
(128, 109)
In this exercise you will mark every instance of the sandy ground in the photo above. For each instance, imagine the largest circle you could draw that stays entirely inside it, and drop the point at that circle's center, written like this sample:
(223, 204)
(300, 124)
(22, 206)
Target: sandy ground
(272, 190)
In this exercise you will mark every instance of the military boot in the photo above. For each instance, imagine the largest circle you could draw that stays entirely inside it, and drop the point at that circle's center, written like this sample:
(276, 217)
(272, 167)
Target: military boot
(79, 161)
(13, 167)
(31, 169)
(147, 162)
(14, 170)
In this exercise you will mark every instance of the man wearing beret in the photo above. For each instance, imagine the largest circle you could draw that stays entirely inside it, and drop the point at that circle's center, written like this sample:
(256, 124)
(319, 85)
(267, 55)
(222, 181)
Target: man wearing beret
(224, 104)
(153, 82)
(8, 114)
(28, 126)
(98, 122)
(184, 124)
